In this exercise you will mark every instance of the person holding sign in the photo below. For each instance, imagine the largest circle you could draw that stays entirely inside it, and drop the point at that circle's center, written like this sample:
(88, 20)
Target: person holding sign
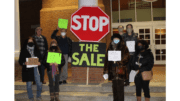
(116, 59)
(29, 74)
(65, 44)
(142, 61)
(53, 69)
(130, 38)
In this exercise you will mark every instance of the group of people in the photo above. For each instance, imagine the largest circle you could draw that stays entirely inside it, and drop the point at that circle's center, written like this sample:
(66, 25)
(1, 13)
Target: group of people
(140, 60)
(36, 46)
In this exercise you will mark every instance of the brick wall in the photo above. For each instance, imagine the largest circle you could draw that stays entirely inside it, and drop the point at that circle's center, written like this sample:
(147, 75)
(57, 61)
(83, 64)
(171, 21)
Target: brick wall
(79, 75)
(96, 75)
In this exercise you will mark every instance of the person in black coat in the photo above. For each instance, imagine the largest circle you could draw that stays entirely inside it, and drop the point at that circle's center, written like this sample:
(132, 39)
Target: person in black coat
(142, 60)
(54, 79)
(30, 49)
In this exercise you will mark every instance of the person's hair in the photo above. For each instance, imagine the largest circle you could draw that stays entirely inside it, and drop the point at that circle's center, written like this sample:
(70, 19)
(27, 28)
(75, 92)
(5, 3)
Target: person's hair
(143, 42)
(37, 29)
(54, 42)
(131, 27)
(121, 26)
(63, 29)
(26, 42)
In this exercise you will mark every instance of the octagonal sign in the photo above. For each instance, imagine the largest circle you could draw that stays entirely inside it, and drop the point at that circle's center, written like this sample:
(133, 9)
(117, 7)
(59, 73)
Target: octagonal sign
(90, 24)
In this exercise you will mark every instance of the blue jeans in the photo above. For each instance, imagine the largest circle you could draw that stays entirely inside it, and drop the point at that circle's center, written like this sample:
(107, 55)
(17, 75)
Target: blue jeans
(38, 83)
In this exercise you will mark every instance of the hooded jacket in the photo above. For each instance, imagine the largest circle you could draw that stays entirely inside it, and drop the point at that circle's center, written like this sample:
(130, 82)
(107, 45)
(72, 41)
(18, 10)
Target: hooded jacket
(146, 61)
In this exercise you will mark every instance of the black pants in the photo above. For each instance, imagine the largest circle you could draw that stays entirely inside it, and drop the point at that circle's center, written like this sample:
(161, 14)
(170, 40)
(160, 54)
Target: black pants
(118, 90)
(140, 84)
(53, 85)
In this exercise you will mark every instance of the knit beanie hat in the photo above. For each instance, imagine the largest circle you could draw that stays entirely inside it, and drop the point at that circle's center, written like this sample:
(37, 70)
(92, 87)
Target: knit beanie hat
(116, 36)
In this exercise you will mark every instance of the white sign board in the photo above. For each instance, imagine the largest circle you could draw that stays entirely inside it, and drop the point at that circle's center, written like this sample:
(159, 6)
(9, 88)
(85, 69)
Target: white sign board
(114, 55)
(131, 46)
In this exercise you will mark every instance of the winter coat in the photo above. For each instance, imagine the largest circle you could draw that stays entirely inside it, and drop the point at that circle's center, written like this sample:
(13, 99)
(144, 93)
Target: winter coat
(108, 68)
(28, 73)
(58, 38)
(146, 61)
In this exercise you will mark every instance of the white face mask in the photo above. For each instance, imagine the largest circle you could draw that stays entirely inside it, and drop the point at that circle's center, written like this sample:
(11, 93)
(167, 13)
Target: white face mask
(63, 33)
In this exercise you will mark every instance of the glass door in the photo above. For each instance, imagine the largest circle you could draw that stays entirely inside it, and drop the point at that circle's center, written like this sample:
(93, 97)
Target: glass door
(156, 38)
(145, 33)
(159, 44)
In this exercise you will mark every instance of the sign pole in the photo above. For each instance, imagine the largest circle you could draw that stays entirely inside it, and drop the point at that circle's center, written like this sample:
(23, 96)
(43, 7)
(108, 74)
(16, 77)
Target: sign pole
(87, 76)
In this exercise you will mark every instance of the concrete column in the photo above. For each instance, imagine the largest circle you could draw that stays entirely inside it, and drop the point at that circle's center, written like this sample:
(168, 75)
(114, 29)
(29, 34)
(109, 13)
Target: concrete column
(87, 3)
(17, 30)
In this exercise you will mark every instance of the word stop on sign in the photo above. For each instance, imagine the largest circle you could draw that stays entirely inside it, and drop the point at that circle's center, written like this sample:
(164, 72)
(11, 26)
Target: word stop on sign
(99, 22)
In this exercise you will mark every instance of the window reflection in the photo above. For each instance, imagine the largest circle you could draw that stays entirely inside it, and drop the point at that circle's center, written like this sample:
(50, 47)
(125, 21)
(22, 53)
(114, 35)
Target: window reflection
(163, 57)
(157, 31)
(158, 58)
(157, 42)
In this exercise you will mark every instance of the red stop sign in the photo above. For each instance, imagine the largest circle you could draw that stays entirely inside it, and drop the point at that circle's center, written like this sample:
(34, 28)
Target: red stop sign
(89, 24)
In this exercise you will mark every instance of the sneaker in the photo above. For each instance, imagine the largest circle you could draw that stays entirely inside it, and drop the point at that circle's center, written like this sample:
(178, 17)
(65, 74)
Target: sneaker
(64, 82)
(38, 99)
(60, 82)
(32, 99)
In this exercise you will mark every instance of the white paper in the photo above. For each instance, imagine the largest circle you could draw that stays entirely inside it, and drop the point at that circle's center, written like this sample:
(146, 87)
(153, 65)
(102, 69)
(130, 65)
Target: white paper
(131, 46)
(69, 59)
(132, 75)
(114, 55)
(105, 76)
(30, 66)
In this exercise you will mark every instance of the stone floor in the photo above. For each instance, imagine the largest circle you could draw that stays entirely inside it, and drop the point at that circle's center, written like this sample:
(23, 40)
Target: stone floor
(92, 92)
(159, 73)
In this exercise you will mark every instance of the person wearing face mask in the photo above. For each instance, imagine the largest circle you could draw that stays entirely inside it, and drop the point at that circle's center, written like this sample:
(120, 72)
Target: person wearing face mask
(116, 70)
(30, 49)
(141, 61)
(65, 44)
(43, 47)
(53, 79)
(120, 30)
(130, 36)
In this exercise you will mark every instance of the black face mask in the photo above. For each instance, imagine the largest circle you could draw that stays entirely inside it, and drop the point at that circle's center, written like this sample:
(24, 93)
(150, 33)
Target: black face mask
(54, 47)
(30, 44)
(140, 48)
